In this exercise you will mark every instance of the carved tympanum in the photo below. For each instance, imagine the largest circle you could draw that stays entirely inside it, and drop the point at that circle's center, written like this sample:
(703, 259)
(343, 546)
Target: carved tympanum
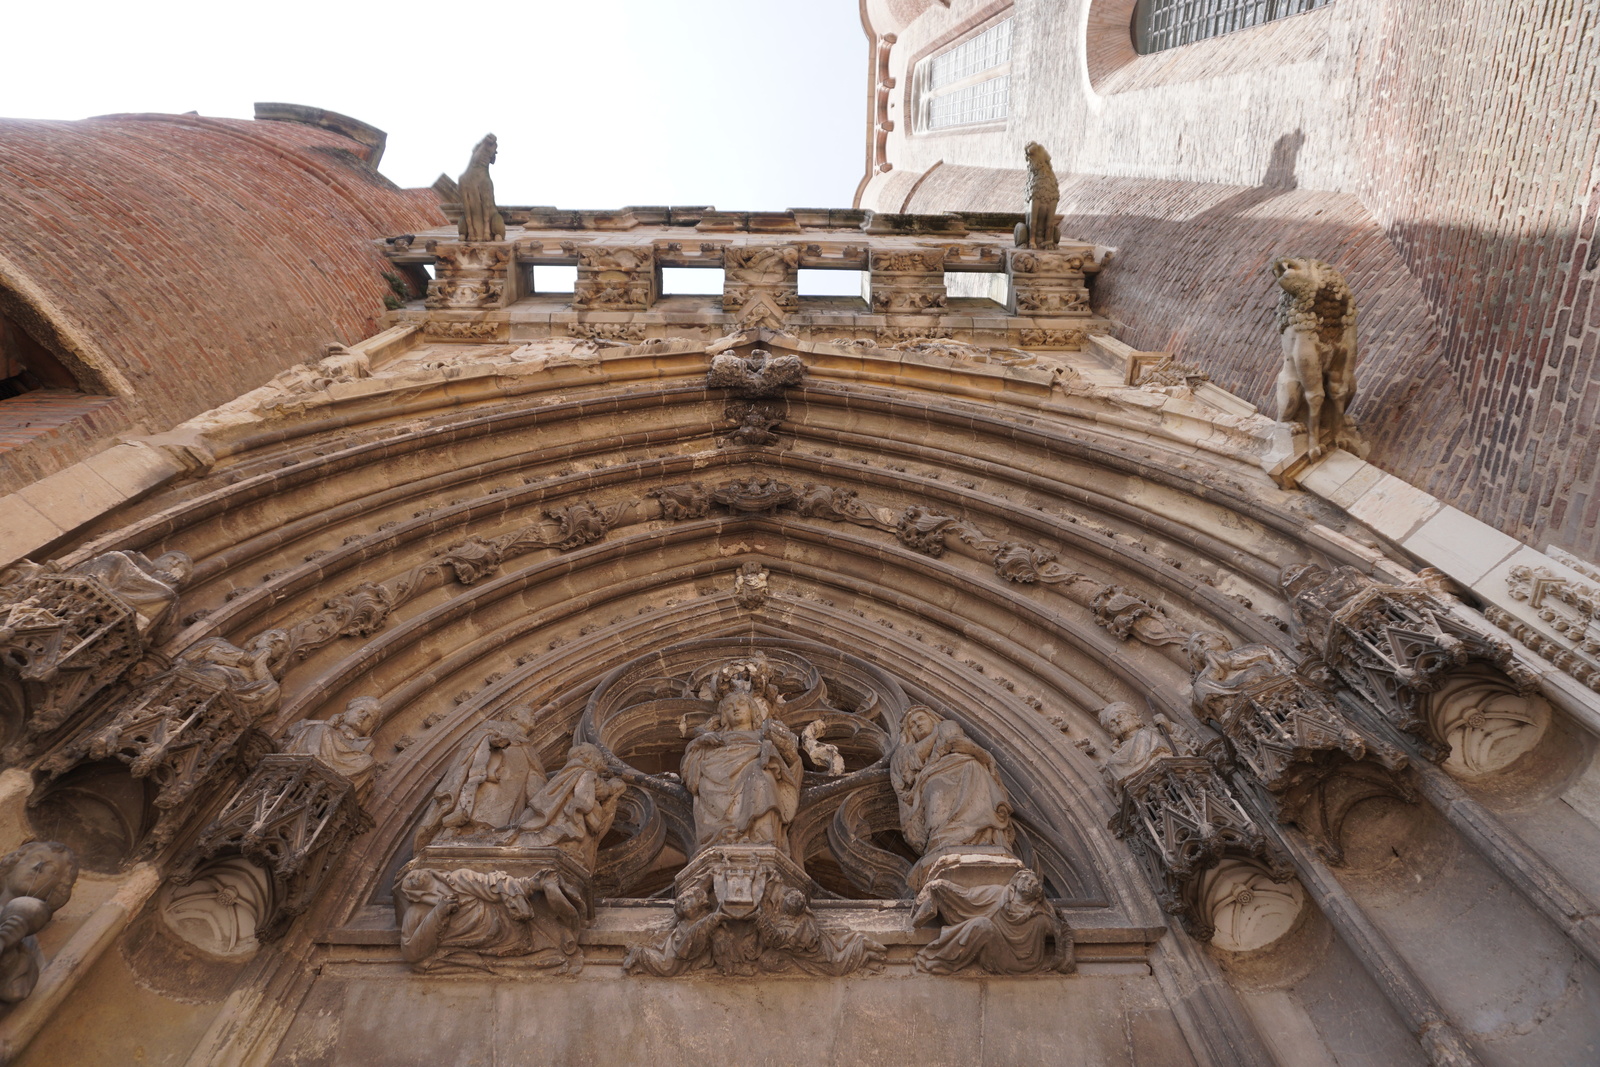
(743, 766)
(954, 811)
(36, 881)
(495, 772)
(1317, 326)
(506, 858)
(746, 910)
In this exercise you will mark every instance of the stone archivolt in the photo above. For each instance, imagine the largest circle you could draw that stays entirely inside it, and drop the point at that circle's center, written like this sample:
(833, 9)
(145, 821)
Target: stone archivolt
(1010, 537)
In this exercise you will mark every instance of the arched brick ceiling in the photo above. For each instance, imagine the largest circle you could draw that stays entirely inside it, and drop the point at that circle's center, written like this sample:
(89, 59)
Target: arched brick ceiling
(195, 256)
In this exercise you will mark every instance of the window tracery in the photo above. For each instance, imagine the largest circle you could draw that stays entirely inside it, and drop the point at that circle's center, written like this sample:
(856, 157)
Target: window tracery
(1162, 24)
(967, 83)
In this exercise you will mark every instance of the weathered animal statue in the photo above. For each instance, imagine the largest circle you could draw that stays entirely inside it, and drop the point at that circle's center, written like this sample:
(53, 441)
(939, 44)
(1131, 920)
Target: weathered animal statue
(1040, 231)
(1317, 323)
(480, 219)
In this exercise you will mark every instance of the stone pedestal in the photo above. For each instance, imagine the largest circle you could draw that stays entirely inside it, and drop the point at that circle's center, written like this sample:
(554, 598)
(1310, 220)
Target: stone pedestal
(739, 876)
(471, 276)
(908, 281)
(967, 867)
(1047, 283)
(615, 278)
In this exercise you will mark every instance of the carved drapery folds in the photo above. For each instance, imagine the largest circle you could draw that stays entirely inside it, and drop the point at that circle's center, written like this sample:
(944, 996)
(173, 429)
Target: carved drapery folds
(65, 635)
(1291, 737)
(292, 818)
(1400, 648)
(506, 856)
(1181, 819)
(36, 881)
(954, 811)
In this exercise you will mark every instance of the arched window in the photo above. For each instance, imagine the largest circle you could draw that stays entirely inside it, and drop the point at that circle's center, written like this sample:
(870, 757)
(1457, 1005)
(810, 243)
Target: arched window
(1161, 24)
(967, 83)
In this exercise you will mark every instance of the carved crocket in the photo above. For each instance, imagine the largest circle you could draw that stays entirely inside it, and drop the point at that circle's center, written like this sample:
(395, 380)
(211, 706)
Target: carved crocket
(1317, 324)
(1039, 231)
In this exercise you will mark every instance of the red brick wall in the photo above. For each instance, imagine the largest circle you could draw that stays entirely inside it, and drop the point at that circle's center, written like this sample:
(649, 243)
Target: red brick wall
(1454, 143)
(1481, 168)
(1190, 277)
(201, 255)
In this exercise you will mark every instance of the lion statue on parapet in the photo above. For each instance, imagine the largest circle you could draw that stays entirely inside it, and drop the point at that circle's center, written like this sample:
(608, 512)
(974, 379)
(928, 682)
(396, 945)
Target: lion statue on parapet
(1317, 323)
(1040, 229)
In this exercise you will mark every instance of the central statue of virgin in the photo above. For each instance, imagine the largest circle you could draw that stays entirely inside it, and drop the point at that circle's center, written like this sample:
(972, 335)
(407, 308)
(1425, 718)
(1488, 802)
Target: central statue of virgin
(743, 770)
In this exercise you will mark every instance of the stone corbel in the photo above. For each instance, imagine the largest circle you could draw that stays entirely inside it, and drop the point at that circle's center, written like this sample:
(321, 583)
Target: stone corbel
(1048, 283)
(66, 635)
(291, 818)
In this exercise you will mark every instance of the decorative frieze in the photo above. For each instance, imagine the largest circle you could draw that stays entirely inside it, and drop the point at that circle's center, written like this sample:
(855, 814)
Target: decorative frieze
(614, 277)
(1048, 283)
(768, 273)
(908, 281)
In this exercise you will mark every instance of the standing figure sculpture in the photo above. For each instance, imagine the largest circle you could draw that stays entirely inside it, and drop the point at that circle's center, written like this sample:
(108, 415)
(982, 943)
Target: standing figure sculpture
(1317, 325)
(574, 809)
(480, 218)
(497, 770)
(1040, 231)
(744, 773)
(949, 789)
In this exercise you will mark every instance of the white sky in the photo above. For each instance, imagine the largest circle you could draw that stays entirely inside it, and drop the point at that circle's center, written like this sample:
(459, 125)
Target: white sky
(740, 104)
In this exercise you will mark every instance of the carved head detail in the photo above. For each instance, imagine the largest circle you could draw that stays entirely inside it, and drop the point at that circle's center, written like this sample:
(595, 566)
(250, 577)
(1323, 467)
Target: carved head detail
(45, 870)
(1121, 720)
(587, 756)
(486, 151)
(691, 904)
(920, 722)
(1025, 886)
(362, 716)
(1037, 155)
(1201, 645)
